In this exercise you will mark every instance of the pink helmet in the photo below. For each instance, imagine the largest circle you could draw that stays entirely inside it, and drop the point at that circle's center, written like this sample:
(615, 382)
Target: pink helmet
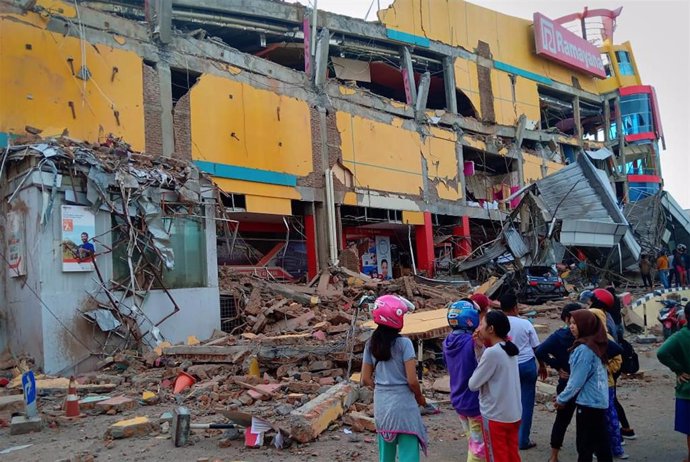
(390, 309)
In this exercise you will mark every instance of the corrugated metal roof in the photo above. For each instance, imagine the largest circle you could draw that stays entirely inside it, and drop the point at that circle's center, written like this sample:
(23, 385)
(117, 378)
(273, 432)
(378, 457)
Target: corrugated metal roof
(582, 192)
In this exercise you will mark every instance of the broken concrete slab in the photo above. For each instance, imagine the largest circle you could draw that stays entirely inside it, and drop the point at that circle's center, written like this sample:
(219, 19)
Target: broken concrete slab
(11, 403)
(442, 385)
(21, 425)
(545, 392)
(310, 420)
(359, 422)
(137, 426)
(89, 402)
(116, 404)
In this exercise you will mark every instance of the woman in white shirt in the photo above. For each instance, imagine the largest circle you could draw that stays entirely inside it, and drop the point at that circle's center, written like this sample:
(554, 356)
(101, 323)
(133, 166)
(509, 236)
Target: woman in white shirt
(497, 379)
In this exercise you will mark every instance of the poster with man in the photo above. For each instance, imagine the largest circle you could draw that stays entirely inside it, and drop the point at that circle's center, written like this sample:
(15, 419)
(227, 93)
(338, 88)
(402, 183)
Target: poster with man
(78, 229)
(383, 257)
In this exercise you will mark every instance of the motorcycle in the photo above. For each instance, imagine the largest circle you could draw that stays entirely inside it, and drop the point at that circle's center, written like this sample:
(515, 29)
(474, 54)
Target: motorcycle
(671, 317)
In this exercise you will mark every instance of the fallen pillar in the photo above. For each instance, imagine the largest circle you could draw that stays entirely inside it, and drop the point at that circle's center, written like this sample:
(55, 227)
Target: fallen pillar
(312, 419)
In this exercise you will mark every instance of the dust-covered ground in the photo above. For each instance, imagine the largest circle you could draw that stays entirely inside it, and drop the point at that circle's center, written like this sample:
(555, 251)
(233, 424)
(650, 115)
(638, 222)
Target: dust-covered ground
(649, 404)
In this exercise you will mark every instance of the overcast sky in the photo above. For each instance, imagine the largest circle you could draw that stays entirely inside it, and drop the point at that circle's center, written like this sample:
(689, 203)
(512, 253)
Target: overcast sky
(659, 33)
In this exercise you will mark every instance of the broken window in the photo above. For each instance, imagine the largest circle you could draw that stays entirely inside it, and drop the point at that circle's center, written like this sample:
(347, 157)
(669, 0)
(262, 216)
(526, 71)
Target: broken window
(181, 81)
(607, 64)
(557, 112)
(636, 113)
(188, 243)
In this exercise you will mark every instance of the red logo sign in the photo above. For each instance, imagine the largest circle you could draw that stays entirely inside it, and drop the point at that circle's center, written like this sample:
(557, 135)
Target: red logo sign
(558, 43)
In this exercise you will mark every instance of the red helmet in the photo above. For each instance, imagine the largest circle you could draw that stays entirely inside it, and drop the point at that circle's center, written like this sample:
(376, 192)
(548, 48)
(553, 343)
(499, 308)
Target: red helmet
(390, 309)
(604, 296)
(481, 300)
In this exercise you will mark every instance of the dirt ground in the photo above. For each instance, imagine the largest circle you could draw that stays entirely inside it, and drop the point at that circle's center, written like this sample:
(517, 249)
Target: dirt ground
(649, 404)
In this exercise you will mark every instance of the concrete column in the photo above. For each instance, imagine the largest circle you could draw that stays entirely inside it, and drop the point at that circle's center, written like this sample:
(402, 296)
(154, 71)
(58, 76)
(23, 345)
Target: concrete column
(312, 253)
(578, 119)
(424, 240)
(408, 76)
(321, 222)
(449, 83)
(463, 246)
(621, 147)
(167, 127)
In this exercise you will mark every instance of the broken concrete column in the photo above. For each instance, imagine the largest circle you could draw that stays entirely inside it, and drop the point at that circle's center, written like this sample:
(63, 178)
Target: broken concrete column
(310, 420)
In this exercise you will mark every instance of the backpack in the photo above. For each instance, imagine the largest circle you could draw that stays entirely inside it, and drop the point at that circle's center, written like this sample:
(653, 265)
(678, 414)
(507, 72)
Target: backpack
(631, 362)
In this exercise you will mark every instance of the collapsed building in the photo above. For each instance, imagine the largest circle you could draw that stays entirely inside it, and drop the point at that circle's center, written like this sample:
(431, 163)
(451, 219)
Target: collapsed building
(400, 144)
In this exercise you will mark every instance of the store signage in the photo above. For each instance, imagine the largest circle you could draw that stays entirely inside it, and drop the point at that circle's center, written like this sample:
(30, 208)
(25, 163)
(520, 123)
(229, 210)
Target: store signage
(559, 44)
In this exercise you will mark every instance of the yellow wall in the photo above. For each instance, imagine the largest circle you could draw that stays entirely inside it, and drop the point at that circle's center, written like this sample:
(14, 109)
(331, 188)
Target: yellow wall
(463, 24)
(380, 156)
(442, 163)
(36, 85)
(532, 167)
(617, 80)
(236, 124)
(509, 104)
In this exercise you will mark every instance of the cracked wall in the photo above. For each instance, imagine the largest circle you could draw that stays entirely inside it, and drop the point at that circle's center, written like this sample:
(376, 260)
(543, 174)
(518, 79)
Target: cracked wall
(463, 24)
(43, 90)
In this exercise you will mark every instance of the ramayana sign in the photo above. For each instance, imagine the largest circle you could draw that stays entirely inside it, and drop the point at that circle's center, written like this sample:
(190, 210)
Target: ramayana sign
(558, 43)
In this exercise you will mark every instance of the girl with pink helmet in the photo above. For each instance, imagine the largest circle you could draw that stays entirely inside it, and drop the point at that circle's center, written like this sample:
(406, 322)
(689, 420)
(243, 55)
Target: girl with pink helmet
(389, 367)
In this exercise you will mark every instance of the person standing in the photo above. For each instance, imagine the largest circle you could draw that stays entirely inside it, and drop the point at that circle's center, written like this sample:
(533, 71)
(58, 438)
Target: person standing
(674, 353)
(679, 260)
(389, 366)
(646, 271)
(662, 266)
(555, 352)
(587, 385)
(524, 336)
(497, 378)
(461, 361)
(616, 315)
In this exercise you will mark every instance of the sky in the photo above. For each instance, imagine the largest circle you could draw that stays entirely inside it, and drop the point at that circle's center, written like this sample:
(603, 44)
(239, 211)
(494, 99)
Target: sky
(660, 36)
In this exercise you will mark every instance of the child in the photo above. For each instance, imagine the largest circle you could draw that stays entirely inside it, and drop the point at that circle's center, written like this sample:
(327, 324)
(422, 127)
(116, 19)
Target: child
(587, 385)
(497, 379)
(675, 354)
(397, 393)
(459, 355)
(525, 337)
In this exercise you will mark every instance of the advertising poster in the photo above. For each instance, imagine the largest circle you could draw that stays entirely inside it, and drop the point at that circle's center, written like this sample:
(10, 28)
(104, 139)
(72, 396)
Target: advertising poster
(369, 264)
(383, 257)
(78, 228)
(16, 244)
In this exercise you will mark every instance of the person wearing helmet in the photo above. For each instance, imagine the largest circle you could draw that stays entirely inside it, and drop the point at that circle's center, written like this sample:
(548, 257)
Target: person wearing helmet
(389, 366)
(461, 361)
(585, 297)
(604, 300)
(497, 378)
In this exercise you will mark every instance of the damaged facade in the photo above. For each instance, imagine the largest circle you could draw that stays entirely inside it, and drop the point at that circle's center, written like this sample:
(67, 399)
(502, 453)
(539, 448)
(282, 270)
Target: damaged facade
(396, 144)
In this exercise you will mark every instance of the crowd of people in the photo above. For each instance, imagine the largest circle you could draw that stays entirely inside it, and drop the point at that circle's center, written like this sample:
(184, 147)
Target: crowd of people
(494, 358)
(672, 269)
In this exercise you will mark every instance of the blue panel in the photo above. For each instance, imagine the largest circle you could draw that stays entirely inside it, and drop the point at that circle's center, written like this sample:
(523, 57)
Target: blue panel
(5, 139)
(233, 172)
(522, 73)
(404, 37)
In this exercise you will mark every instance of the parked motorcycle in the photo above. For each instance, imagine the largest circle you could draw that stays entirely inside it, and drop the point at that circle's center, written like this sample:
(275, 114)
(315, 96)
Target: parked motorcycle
(671, 317)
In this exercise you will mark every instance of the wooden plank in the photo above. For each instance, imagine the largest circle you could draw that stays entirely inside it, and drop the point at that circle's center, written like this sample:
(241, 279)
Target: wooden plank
(482, 289)
(423, 325)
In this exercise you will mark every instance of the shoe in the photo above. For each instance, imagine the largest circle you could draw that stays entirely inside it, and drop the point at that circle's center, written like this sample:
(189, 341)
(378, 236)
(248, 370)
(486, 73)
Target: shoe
(628, 433)
(530, 445)
(623, 443)
(622, 456)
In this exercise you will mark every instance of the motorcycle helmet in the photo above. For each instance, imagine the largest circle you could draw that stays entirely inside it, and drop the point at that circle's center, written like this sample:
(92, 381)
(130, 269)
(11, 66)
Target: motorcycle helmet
(481, 300)
(585, 296)
(390, 309)
(604, 297)
(462, 315)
